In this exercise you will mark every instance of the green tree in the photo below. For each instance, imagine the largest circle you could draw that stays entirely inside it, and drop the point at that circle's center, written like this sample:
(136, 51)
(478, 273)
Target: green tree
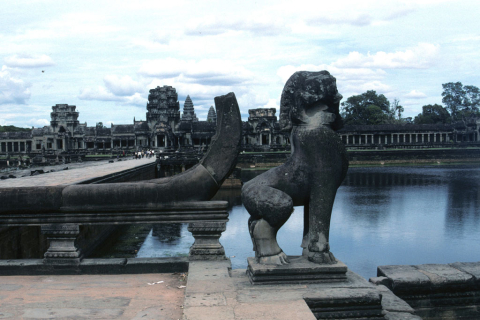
(366, 108)
(460, 100)
(396, 110)
(433, 114)
(14, 129)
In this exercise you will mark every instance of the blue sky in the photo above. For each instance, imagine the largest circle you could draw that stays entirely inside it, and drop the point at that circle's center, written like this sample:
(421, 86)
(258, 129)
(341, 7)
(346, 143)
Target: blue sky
(104, 56)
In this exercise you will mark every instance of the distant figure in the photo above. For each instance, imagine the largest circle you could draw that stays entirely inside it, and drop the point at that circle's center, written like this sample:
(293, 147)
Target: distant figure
(309, 109)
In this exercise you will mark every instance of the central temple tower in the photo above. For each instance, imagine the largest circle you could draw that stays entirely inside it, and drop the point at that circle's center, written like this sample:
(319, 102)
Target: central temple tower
(163, 106)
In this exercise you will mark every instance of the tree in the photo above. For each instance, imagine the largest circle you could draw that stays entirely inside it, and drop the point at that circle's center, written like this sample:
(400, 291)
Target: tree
(397, 109)
(461, 100)
(14, 129)
(433, 114)
(366, 108)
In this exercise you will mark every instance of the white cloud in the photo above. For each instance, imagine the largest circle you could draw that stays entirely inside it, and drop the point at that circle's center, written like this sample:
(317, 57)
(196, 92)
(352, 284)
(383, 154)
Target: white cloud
(360, 20)
(28, 61)
(209, 72)
(343, 74)
(12, 89)
(38, 122)
(414, 94)
(420, 57)
(161, 37)
(272, 103)
(399, 13)
(119, 89)
(123, 86)
(213, 26)
(100, 93)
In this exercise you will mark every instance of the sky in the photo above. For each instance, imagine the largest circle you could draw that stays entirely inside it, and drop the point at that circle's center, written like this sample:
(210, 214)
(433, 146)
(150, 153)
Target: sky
(104, 56)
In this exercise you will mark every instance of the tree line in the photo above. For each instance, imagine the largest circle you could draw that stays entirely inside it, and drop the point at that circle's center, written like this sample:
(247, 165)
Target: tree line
(370, 108)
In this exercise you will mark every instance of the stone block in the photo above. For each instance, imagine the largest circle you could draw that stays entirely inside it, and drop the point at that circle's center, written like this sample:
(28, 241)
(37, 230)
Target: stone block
(156, 265)
(405, 279)
(392, 303)
(103, 266)
(401, 316)
(340, 303)
(472, 268)
(445, 278)
(299, 270)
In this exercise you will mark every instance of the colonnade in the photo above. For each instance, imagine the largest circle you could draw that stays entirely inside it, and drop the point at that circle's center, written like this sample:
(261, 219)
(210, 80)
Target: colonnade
(398, 138)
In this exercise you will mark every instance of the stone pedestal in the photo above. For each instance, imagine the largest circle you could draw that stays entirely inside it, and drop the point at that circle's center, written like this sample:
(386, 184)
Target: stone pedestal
(299, 270)
(62, 250)
(207, 245)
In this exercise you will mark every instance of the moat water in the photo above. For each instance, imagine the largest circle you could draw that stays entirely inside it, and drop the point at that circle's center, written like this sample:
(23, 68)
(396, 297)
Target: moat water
(381, 216)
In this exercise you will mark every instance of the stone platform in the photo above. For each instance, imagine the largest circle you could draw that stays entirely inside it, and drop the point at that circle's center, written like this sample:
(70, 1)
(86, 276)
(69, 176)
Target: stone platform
(215, 292)
(299, 270)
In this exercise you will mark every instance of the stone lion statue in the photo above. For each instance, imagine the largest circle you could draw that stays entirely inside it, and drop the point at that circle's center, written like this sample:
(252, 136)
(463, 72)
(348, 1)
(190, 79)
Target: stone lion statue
(309, 110)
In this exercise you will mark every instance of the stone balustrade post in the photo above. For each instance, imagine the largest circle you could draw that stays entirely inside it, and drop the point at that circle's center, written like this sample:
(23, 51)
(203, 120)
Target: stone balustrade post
(207, 235)
(62, 249)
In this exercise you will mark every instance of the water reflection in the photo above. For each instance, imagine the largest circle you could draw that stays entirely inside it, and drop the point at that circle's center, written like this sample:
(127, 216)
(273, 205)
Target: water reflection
(382, 215)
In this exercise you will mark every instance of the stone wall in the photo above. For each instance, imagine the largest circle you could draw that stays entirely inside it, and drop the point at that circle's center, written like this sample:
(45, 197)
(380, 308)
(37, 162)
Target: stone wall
(435, 291)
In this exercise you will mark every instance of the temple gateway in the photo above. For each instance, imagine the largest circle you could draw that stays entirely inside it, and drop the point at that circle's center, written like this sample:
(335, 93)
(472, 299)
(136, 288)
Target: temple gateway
(166, 128)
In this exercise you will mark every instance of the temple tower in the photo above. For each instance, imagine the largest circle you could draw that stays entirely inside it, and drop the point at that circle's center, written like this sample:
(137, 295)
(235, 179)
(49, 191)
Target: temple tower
(64, 118)
(189, 111)
(163, 106)
(212, 115)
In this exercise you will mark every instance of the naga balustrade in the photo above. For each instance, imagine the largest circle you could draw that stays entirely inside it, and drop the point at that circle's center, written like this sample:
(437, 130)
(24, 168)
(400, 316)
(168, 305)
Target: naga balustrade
(207, 220)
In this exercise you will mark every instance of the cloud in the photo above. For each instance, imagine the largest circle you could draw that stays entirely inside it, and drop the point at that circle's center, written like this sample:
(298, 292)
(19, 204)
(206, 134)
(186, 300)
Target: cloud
(219, 26)
(211, 72)
(344, 74)
(28, 61)
(12, 89)
(38, 122)
(420, 57)
(414, 94)
(161, 37)
(122, 86)
(122, 89)
(99, 93)
(360, 20)
(399, 13)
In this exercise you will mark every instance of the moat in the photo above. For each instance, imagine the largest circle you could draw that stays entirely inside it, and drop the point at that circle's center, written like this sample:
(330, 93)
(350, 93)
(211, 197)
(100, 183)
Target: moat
(382, 216)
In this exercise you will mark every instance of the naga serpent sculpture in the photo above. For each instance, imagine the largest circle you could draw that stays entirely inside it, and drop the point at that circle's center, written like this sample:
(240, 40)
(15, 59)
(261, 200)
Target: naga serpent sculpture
(309, 109)
(199, 183)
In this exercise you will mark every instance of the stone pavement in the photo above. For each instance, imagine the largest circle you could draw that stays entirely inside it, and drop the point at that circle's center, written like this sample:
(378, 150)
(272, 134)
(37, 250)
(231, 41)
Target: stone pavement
(92, 297)
(88, 170)
(215, 292)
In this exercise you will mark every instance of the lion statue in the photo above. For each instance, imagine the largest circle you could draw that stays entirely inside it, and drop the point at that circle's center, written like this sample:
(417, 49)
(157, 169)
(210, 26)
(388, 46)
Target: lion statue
(309, 110)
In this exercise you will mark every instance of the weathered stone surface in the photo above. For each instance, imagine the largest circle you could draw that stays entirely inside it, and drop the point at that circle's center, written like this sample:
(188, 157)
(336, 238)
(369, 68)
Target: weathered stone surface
(207, 245)
(392, 303)
(299, 270)
(445, 277)
(400, 316)
(310, 177)
(380, 281)
(436, 291)
(95, 266)
(405, 278)
(472, 268)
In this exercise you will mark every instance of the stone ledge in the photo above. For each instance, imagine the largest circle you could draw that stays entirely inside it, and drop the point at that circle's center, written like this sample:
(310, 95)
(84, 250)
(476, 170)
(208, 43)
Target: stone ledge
(429, 278)
(95, 266)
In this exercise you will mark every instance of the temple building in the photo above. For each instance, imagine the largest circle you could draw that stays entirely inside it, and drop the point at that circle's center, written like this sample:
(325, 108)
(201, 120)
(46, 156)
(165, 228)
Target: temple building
(165, 128)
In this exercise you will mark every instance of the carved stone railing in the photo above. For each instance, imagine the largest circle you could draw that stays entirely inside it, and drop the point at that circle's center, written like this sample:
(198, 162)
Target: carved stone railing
(207, 220)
